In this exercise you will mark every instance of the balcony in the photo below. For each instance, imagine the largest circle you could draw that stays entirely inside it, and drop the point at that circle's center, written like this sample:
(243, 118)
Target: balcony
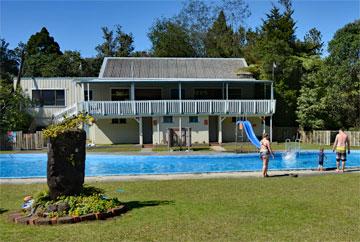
(101, 109)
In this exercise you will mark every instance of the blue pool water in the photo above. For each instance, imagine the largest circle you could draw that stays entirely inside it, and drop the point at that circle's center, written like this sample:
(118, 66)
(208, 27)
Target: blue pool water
(34, 165)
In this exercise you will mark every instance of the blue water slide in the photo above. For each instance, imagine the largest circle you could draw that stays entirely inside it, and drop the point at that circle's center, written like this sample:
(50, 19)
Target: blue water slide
(250, 133)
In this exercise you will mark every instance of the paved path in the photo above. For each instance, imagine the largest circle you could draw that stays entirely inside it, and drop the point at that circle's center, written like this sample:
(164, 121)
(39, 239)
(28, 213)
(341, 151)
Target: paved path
(289, 174)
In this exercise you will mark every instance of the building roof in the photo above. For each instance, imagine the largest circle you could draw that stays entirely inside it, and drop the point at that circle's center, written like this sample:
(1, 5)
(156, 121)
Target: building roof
(172, 68)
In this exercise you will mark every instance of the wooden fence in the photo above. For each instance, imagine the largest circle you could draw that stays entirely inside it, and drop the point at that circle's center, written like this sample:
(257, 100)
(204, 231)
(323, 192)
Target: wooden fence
(327, 137)
(23, 141)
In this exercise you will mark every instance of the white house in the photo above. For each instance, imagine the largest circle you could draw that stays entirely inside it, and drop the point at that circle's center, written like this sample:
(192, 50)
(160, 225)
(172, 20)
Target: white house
(136, 100)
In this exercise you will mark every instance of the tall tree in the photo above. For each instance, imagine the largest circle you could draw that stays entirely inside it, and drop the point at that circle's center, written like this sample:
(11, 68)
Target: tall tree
(276, 48)
(115, 44)
(41, 55)
(197, 16)
(220, 40)
(335, 88)
(42, 43)
(170, 39)
(8, 62)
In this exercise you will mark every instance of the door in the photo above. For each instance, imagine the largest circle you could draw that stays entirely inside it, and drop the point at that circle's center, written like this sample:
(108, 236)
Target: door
(147, 130)
(213, 129)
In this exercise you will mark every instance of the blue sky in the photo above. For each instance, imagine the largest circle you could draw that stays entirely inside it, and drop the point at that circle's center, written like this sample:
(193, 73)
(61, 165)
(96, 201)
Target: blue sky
(75, 25)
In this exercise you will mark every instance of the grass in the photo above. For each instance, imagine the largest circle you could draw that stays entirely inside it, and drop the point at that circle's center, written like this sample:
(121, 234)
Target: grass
(195, 147)
(247, 147)
(310, 208)
(115, 148)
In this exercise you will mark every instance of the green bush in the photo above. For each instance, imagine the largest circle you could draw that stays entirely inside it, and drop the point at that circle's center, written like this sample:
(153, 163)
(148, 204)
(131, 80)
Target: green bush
(91, 200)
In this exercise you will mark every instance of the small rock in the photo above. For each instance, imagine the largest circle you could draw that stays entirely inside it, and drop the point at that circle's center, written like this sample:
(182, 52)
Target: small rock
(52, 208)
(63, 207)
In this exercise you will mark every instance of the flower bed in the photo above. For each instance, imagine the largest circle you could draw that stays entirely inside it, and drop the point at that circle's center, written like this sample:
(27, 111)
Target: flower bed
(90, 204)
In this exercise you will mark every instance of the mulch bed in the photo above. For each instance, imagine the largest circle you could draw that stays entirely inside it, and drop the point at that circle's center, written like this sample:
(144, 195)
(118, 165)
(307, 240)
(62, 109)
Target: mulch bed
(19, 218)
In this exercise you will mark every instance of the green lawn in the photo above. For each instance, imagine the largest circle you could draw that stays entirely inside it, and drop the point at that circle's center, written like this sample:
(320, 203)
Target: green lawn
(195, 147)
(231, 147)
(312, 208)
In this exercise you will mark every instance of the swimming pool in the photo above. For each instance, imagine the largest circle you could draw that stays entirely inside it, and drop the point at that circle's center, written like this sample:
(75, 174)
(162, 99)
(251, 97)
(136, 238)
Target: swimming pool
(34, 165)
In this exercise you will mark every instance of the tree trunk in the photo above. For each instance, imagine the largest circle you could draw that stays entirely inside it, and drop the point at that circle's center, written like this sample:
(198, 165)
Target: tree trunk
(66, 163)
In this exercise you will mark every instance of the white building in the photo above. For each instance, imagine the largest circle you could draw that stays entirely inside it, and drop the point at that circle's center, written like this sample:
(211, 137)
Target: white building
(136, 100)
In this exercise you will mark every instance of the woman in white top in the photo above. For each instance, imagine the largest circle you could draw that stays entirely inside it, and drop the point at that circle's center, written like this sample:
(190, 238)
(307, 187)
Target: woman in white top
(265, 151)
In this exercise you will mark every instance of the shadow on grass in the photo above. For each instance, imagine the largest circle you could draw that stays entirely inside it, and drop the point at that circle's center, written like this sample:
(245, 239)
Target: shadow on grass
(140, 204)
(3, 210)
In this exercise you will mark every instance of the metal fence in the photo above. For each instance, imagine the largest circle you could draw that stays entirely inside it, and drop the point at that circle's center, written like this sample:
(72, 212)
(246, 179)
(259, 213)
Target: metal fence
(22, 141)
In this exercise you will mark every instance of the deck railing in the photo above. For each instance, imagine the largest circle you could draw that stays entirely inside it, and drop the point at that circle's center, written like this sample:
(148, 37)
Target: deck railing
(178, 107)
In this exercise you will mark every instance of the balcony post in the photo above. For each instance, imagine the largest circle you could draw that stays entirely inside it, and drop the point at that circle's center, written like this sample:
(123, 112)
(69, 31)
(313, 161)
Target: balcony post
(220, 120)
(88, 92)
(272, 91)
(271, 129)
(180, 104)
(132, 91)
(141, 140)
(82, 96)
(227, 91)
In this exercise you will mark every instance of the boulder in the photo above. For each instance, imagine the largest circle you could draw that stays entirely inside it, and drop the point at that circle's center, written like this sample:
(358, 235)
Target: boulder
(66, 163)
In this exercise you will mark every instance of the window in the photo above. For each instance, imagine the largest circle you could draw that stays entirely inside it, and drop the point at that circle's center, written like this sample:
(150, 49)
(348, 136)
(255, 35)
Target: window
(118, 121)
(49, 97)
(204, 93)
(234, 93)
(148, 94)
(119, 94)
(86, 95)
(193, 119)
(167, 119)
(174, 94)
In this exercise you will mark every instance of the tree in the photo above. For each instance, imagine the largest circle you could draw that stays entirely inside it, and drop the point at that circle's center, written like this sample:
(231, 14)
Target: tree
(108, 47)
(276, 46)
(220, 40)
(118, 44)
(197, 16)
(14, 108)
(330, 97)
(8, 62)
(170, 39)
(42, 43)
(41, 55)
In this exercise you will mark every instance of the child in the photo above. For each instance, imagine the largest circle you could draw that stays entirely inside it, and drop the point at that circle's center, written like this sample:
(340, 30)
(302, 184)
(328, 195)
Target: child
(321, 157)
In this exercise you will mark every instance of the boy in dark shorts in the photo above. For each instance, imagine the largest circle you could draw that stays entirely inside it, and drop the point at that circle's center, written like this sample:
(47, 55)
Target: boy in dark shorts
(321, 157)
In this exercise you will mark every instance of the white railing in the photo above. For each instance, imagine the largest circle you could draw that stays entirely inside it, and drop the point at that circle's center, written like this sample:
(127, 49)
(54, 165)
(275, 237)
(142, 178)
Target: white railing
(178, 107)
(66, 112)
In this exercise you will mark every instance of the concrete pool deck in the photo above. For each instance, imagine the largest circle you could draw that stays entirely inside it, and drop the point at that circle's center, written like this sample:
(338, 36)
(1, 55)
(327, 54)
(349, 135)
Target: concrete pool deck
(165, 177)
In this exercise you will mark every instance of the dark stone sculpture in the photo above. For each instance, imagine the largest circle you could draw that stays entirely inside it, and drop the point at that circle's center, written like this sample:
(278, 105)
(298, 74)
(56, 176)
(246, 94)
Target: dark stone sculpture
(66, 163)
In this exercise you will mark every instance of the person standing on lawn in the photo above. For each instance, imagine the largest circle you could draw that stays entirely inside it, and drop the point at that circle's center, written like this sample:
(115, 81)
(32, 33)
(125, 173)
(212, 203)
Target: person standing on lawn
(341, 141)
(265, 152)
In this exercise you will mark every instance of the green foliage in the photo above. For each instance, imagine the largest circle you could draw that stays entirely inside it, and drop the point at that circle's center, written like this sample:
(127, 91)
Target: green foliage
(8, 62)
(220, 40)
(14, 109)
(96, 203)
(169, 39)
(69, 123)
(118, 44)
(42, 43)
(90, 200)
(330, 92)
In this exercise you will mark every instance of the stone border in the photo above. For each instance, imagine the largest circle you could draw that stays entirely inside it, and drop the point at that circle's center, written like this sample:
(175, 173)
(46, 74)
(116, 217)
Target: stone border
(19, 218)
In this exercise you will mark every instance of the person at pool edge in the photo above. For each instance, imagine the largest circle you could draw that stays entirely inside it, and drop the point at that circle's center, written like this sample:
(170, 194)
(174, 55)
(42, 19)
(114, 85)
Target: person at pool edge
(341, 141)
(265, 152)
